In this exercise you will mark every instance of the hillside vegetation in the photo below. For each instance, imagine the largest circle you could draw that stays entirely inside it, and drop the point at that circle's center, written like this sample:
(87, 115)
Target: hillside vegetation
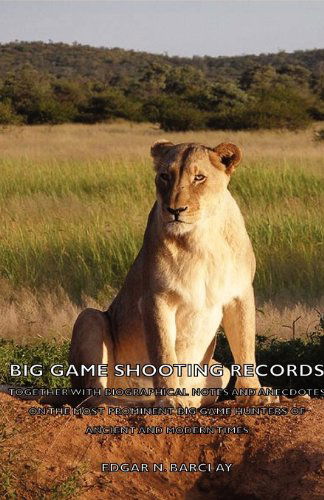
(56, 83)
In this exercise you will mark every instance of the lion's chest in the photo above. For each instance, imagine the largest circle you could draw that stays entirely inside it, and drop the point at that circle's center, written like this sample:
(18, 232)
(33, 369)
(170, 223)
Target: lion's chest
(201, 285)
(200, 281)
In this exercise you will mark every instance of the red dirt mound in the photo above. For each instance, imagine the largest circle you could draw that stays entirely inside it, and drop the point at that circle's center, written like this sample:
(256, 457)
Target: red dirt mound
(52, 456)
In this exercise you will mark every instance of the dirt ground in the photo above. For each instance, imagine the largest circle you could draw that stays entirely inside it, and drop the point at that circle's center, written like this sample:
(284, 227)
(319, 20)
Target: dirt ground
(52, 457)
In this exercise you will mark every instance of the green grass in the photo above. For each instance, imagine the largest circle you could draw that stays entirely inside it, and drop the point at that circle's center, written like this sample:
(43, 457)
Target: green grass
(269, 351)
(69, 487)
(308, 350)
(266, 182)
(79, 225)
(38, 352)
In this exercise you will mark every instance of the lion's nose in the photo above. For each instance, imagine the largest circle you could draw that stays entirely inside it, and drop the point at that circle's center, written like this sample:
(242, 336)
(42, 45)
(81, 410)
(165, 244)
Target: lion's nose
(176, 211)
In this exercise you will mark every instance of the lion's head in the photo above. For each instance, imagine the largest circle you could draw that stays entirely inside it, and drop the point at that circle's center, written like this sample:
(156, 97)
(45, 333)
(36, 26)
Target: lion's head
(190, 179)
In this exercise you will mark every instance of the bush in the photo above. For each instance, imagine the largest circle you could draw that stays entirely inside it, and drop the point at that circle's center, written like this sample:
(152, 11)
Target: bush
(108, 104)
(182, 119)
(271, 351)
(231, 119)
(278, 108)
(174, 114)
(7, 114)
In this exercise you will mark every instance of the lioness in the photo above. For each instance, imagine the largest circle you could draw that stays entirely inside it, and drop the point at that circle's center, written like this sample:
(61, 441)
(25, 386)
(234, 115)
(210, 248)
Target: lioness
(194, 271)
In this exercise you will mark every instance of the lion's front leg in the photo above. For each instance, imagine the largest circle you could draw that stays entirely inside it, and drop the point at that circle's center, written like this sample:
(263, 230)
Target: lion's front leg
(160, 333)
(239, 326)
(91, 344)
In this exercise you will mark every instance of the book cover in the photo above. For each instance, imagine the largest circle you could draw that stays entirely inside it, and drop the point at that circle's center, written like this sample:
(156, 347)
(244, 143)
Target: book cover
(161, 251)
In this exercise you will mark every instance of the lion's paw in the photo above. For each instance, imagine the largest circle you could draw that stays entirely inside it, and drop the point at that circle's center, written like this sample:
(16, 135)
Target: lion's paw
(168, 402)
(260, 398)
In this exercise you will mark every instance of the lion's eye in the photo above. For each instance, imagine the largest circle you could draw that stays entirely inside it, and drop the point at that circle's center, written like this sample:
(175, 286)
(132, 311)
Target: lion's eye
(200, 177)
(164, 176)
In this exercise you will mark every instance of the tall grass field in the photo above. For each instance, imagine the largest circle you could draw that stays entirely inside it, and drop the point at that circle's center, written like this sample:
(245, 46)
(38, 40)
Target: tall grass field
(74, 201)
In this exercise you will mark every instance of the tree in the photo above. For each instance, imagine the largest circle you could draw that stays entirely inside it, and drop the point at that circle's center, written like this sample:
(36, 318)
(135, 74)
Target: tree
(184, 80)
(30, 96)
(108, 103)
(174, 114)
(7, 114)
(281, 107)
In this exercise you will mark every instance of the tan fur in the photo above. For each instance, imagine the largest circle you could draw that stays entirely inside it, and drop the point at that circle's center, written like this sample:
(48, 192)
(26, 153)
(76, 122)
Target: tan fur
(190, 274)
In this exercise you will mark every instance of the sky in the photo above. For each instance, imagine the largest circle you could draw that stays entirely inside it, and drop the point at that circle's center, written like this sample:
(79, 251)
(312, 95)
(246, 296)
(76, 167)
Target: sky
(175, 27)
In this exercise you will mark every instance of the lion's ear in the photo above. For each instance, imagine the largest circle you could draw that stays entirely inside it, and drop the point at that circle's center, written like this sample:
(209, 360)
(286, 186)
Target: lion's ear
(229, 156)
(159, 149)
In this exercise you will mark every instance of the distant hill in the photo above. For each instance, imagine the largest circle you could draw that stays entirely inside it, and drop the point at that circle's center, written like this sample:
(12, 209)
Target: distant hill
(107, 64)
(56, 82)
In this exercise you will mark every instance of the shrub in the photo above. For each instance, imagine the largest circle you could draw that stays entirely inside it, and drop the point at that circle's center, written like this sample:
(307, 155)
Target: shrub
(7, 114)
(280, 107)
(175, 115)
(277, 108)
(308, 350)
(108, 104)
